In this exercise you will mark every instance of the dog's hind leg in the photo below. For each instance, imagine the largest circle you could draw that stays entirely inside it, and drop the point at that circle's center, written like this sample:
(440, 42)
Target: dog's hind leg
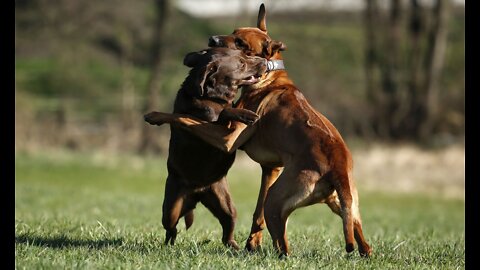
(175, 205)
(188, 219)
(342, 185)
(334, 203)
(293, 189)
(172, 206)
(346, 206)
(269, 175)
(217, 199)
(363, 247)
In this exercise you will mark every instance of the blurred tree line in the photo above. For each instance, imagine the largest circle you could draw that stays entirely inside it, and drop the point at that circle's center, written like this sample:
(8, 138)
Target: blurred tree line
(86, 71)
(405, 52)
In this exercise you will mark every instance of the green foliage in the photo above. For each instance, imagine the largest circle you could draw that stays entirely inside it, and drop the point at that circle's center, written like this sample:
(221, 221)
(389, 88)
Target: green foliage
(93, 54)
(92, 211)
(52, 77)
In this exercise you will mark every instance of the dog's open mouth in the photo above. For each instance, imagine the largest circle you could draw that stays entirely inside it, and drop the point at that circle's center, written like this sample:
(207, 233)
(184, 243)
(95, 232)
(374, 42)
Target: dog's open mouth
(251, 79)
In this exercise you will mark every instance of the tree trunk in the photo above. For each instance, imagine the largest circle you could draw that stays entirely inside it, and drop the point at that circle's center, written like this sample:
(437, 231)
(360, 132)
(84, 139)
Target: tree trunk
(416, 75)
(148, 142)
(371, 63)
(391, 71)
(405, 96)
(128, 92)
(437, 43)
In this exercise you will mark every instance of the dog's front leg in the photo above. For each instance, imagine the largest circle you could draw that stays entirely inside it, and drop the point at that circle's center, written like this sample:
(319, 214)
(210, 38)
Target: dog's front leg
(237, 114)
(158, 118)
(227, 139)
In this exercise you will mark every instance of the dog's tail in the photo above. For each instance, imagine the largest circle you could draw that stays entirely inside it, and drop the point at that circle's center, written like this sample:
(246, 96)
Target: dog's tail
(188, 219)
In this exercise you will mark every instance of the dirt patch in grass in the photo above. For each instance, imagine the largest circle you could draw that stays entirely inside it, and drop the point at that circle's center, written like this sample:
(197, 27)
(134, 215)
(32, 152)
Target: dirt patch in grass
(377, 167)
(408, 168)
(402, 168)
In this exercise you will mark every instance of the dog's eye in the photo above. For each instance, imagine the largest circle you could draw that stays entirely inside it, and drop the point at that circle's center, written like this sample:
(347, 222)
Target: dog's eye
(242, 63)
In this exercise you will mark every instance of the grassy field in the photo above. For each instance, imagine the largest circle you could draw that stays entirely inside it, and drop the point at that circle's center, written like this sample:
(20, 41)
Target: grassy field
(93, 211)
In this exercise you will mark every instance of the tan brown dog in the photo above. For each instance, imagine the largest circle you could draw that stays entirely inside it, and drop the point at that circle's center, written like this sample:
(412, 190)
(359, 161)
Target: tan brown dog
(290, 134)
(196, 170)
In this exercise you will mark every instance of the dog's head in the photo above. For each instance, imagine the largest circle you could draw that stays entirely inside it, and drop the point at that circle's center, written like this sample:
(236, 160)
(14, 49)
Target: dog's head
(252, 41)
(221, 71)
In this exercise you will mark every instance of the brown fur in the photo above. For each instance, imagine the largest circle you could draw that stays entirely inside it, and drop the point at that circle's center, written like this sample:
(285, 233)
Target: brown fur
(196, 170)
(303, 157)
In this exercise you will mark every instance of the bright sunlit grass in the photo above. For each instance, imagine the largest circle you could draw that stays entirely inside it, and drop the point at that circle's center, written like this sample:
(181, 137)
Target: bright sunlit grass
(86, 211)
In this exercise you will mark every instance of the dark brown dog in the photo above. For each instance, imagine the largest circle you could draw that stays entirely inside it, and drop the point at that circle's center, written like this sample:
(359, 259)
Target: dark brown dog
(196, 170)
(290, 135)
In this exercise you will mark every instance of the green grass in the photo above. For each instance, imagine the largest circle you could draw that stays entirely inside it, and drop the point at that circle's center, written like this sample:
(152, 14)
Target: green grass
(89, 211)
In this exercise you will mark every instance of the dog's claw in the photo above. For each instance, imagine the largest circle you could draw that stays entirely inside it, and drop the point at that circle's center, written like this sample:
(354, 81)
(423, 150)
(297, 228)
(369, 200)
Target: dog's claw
(349, 247)
(253, 243)
(170, 236)
(366, 253)
(283, 256)
(233, 244)
(248, 117)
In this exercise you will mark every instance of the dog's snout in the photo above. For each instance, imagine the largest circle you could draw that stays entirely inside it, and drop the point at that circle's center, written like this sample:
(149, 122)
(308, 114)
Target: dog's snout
(214, 41)
(262, 63)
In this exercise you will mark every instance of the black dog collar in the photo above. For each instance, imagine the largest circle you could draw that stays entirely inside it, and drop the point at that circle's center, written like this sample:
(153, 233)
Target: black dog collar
(275, 65)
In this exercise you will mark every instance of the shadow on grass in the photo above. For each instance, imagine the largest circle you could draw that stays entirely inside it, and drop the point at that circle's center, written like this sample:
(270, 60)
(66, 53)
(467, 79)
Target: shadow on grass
(63, 241)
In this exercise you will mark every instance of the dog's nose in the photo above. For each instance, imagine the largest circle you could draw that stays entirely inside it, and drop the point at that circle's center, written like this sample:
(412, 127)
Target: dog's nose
(213, 41)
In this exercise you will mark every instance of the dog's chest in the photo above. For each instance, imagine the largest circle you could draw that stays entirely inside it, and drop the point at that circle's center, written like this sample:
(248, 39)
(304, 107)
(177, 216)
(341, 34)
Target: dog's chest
(260, 154)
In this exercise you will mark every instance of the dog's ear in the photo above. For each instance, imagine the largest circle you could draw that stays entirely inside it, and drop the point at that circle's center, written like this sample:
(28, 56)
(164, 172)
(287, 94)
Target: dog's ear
(277, 46)
(272, 47)
(193, 59)
(208, 80)
(262, 18)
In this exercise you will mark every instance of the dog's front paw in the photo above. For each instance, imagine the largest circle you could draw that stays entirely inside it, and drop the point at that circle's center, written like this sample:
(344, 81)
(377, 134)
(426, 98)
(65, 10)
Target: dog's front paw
(254, 242)
(156, 118)
(248, 117)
